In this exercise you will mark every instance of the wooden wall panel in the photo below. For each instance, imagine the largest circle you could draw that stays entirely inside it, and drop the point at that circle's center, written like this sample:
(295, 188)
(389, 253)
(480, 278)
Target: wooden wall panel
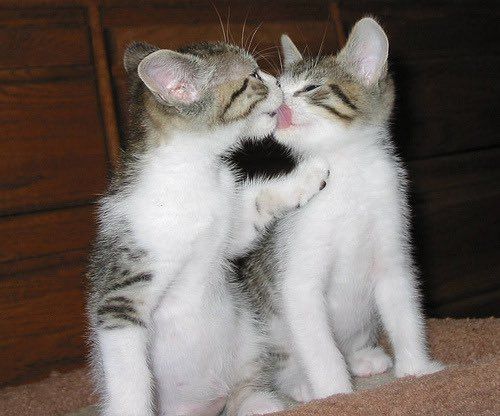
(29, 237)
(42, 290)
(436, 115)
(445, 60)
(42, 321)
(431, 29)
(36, 46)
(51, 144)
(53, 163)
(15, 14)
(456, 200)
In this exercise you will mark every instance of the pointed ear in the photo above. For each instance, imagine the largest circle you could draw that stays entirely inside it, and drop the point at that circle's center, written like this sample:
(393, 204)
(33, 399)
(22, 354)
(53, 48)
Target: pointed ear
(365, 53)
(176, 77)
(135, 53)
(290, 52)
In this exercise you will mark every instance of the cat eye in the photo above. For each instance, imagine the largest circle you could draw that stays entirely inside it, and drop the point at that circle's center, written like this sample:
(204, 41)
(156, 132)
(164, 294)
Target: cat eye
(256, 75)
(310, 88)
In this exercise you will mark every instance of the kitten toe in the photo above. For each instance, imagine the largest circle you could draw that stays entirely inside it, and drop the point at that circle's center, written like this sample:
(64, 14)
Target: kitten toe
(260, 403)
(419, 369)
(369, 361)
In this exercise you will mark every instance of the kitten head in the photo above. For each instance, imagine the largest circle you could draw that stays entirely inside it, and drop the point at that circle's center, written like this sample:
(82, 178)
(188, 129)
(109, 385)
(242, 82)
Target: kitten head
(329, 101)
(214, 89)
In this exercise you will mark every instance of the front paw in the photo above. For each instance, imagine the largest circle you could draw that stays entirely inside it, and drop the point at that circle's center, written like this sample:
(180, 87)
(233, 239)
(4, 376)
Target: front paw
(418, 369)
(312, 175)
(269, 205)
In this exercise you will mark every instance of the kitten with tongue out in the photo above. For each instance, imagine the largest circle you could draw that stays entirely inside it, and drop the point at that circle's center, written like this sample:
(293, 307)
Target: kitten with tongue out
(344, 260)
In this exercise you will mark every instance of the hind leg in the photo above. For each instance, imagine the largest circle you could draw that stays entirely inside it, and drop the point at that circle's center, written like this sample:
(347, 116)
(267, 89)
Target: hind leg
(292, 382)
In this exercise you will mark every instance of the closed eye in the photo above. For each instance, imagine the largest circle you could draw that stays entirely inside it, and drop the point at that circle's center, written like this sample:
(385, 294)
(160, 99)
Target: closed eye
(310, 88)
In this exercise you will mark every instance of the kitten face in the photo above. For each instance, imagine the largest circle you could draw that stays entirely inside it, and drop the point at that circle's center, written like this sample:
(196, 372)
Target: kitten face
(328, 101)
(207, 87)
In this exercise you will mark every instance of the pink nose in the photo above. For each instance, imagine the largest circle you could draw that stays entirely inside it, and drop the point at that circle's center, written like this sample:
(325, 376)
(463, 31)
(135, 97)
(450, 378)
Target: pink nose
(284, 117)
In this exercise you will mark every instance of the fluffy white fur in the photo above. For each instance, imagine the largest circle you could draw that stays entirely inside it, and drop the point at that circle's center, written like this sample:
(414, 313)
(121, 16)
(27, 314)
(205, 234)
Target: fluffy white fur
(187, 211)
(345, 258)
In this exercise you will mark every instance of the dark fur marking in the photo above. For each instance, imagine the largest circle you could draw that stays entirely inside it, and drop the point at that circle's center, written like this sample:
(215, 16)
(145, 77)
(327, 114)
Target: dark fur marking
(235, 95)
(251, 107)
(345, 99)
(119, 299)
(142, 277)
(121, 309)
(137, 255)
(335, 112)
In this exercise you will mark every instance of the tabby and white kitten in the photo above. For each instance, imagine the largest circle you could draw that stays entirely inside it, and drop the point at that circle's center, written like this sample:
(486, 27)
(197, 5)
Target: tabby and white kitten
(170, 331)
(344, 261)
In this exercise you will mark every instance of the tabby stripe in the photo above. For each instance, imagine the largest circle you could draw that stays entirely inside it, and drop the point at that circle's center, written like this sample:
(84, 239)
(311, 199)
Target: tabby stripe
(142, 277)
(345, 99)
(335, 112)
(235, 95)
(119, 299)
(115, 308)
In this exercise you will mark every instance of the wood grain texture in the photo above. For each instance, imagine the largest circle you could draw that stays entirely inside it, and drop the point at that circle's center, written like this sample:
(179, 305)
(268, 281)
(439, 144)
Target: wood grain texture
(13, 14)
(52, 145)
(104, 87)
(28, 237)
(456, 200)
(42, 286)
(431, 29)
(445, 59)
(42, 325)
(39, 46)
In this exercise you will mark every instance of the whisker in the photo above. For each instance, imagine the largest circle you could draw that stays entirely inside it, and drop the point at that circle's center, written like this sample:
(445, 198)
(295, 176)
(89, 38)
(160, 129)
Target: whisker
(305, 50)
(281, 61)
(264, 55)
(243, 29)
(271, 64)
(267, 49)
(228, 28)
(253, 35)
(256, 46)
(220, 20)
(322, 42)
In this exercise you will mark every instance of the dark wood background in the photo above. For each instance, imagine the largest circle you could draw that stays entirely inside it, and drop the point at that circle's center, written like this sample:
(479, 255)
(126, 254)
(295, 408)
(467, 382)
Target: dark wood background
(63, 111)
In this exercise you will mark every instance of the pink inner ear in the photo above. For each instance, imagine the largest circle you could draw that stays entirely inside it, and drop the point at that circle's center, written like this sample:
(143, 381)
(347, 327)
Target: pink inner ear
(171, 86)
(184, 92)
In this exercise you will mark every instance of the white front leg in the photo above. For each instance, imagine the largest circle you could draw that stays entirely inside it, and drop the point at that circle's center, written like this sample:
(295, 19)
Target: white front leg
(398, 303)
(128, 381)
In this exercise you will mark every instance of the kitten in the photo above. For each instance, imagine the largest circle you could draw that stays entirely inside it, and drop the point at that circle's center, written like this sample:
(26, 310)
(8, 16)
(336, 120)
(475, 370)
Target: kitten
(343, 261)
(169, 328)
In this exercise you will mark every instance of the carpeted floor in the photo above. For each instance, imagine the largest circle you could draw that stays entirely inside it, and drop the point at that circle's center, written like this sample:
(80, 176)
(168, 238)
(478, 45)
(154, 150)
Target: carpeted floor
(470, 386)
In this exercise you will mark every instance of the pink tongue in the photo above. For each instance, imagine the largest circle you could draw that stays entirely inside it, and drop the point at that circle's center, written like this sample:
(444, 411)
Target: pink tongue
(284, 117)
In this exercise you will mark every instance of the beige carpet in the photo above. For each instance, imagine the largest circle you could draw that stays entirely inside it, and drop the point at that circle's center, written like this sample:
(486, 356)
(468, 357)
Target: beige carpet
(470, 386)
